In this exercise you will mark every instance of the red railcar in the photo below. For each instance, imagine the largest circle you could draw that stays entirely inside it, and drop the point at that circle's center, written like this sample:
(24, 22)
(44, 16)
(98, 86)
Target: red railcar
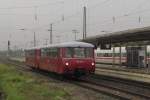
(74, 58)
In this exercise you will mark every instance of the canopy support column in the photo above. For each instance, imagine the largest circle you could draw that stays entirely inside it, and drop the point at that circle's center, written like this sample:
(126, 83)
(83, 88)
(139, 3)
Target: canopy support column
(113, 56)
(146, 56)
(120, 57)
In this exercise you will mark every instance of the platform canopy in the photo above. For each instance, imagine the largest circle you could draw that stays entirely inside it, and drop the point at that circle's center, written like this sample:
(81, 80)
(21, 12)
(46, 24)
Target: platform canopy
(131, 35)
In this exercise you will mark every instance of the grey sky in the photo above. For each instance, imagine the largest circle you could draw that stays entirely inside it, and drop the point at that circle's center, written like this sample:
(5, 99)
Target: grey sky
(18, 14)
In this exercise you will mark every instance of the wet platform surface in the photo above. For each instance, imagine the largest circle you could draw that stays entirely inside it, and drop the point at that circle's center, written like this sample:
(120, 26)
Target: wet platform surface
(144, 70)
(18, 59)
(138, 74)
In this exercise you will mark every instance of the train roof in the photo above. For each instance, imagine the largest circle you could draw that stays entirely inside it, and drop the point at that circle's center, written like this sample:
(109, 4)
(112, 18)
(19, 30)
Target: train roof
(65, 44)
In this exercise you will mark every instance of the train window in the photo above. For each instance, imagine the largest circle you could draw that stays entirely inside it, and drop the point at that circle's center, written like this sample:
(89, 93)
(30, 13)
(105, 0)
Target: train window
(79, 52)
(53, 52)
(89, 52)
(50, 52)
(47, 52)
(26, 53)
(43, 52)
(69, 52)
(30, 53)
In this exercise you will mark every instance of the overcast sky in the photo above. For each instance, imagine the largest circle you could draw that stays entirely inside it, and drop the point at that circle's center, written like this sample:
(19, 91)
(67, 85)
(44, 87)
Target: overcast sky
(103, 17)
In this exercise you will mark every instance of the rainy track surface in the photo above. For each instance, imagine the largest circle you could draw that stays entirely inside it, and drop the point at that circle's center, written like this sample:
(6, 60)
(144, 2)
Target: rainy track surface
(116, 87)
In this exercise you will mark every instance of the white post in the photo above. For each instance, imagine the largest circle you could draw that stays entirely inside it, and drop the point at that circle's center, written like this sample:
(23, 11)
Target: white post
(120, 60)
(146, 56)
(113, 56)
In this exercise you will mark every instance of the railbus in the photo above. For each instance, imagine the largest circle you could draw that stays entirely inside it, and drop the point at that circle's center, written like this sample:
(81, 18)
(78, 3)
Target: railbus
(71, 58)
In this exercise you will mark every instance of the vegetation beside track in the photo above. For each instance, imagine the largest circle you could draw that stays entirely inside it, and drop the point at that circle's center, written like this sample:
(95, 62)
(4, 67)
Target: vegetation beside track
(70, 90)
(24, 86)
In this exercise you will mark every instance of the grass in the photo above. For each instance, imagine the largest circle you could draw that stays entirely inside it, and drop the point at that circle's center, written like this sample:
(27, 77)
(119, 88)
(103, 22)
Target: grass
(24, 86)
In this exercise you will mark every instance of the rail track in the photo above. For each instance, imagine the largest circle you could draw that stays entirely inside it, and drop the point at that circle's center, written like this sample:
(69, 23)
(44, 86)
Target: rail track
(0, 95)
(116, 87)
(128, 89)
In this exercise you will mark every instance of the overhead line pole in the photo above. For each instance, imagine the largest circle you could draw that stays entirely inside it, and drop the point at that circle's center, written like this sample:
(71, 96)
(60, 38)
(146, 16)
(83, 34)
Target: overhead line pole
(34, 40)
(75, 33)
(51, 34)
(84, 23)
(35, 18)
(85, 20)
(8, 52)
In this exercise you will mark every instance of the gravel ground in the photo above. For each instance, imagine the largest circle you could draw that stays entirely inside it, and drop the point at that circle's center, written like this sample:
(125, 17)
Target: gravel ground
(75, 92)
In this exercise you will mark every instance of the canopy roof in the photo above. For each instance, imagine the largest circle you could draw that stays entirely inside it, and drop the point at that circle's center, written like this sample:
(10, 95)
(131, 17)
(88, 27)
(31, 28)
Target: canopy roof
(131, 35)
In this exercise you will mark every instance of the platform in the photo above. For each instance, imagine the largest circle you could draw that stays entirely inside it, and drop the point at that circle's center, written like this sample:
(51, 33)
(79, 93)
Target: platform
(141, 74)
(18, 59)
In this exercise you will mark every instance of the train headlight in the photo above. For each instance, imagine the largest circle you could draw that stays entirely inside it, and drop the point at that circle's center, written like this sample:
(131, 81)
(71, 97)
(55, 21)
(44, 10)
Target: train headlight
(67, 64)
(93, 63)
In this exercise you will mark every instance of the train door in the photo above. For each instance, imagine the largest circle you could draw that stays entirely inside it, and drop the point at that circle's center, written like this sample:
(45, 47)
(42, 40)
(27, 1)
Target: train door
(32, 58)
(37, 57)
(43, 59)
(55, 59)
(58, 63)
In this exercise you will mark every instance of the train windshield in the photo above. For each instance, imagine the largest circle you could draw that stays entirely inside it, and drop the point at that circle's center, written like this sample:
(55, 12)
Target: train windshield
(79, 52)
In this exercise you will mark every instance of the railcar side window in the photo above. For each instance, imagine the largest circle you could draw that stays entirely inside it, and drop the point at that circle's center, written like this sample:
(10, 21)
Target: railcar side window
(50, 52)
(30, 53)
(79, 52)
(89, 52)
(43, 52)
(53, 52)
(26, 53)
(69, 52)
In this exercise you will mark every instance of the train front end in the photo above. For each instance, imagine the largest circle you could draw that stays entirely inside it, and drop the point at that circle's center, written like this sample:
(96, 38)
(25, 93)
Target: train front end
(79, 61)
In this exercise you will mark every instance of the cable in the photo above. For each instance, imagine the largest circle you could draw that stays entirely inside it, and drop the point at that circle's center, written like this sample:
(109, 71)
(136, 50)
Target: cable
(125, 15)
(42, 5)
(15, 14)
(129, 14)
(58, 21)
(98, 4)
(139, 6)
(73, 15)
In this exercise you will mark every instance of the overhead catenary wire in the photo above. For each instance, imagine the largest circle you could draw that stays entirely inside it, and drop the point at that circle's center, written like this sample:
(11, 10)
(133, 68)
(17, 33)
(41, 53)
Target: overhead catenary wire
(54, 22)
(98, 4)
(115, 17)
(73, 15)
(108, 20)
(68, 17)
(139, 6)
(33, 6)
(122, 16)
(133, 12)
